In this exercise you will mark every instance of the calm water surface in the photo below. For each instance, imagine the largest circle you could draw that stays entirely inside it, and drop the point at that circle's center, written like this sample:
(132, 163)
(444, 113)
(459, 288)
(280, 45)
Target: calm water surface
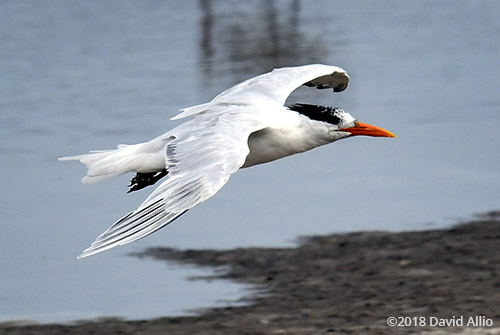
(77, 76)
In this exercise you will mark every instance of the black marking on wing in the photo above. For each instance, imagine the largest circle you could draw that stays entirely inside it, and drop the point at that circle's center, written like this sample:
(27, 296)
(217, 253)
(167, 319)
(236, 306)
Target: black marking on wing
(141, 180)
(318, 113)
(320, 86)
(339, 79)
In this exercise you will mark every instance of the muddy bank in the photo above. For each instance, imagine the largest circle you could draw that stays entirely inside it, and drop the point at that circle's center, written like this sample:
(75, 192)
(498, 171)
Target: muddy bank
(346, 284)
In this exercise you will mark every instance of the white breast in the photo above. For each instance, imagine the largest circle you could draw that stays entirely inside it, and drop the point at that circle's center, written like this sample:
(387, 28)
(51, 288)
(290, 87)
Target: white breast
(276, 142)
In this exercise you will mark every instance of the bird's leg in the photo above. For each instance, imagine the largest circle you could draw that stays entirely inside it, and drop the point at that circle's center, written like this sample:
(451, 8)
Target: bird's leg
(141, 180)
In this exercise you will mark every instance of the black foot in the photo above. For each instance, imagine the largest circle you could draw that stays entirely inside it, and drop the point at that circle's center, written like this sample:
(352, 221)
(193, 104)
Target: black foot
(141, 180)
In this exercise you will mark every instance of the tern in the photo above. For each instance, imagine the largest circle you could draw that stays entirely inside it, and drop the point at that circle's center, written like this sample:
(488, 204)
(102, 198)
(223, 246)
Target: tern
(246, 125)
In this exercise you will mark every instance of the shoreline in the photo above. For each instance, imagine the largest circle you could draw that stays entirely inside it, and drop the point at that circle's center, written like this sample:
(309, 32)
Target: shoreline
(430, 281)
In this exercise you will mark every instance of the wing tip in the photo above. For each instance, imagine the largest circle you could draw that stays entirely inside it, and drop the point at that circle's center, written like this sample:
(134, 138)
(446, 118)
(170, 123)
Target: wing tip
(82, 255)
(85, 253)
(90, 251)
(68, 158)
(338, 80)
(94, 249)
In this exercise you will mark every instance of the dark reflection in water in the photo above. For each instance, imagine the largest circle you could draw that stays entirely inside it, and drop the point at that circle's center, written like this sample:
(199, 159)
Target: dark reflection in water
(206, 24)
(262, 38)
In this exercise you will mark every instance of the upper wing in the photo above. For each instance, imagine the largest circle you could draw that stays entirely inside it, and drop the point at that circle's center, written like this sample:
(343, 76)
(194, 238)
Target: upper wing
(278, 85)
(201, 154)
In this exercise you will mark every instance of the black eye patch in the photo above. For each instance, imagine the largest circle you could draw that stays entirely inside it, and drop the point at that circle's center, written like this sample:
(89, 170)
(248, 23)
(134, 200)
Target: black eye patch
(318, 113)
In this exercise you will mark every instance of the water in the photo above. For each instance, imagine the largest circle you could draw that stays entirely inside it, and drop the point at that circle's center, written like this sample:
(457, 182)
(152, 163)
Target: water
(88, 75)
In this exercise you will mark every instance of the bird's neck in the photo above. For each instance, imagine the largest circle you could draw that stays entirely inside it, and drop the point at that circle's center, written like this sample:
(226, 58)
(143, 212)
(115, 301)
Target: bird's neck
(273, 143)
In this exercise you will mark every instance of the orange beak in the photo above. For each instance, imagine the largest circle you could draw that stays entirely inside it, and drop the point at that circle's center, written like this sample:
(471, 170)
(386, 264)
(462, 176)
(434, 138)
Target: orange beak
(368, 130)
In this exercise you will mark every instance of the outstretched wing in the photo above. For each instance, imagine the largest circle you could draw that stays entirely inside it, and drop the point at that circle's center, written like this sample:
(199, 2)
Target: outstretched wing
(201, 155)
(278, 85)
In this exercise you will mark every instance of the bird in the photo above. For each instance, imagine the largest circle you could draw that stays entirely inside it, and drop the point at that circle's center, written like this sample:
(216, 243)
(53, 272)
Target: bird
(246, 125)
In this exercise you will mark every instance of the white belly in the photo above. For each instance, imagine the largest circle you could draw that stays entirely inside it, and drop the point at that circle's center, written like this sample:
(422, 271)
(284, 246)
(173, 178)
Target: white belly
(271, 143)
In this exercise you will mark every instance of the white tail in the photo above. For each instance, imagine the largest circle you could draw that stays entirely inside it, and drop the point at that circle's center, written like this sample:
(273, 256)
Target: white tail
(105, 164)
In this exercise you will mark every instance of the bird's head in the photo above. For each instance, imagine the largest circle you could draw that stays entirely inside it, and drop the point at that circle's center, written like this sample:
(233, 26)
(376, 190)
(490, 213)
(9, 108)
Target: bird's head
(340, 123)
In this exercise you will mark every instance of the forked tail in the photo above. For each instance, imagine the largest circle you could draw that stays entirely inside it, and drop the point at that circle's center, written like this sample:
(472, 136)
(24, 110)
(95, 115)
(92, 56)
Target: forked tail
(105, 164)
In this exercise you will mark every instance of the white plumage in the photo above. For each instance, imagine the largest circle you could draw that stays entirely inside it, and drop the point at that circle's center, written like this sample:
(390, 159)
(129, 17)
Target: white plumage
(245, 125)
